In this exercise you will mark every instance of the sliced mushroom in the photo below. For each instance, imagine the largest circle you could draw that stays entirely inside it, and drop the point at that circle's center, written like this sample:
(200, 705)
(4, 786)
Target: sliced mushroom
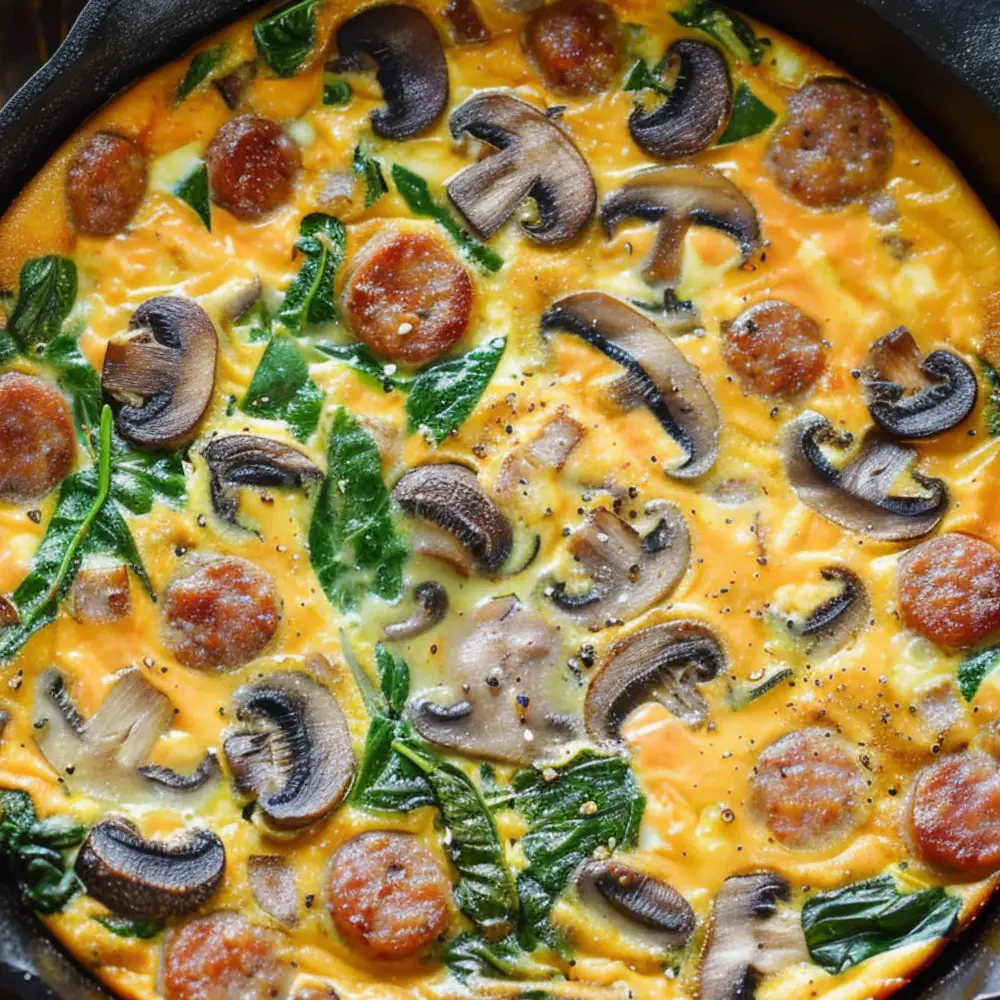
(105, 756)
(836, 621)
(751, 936)
(912, 397)
(466, 25)
(297, 758)
(628, 572)
(449, 496)
(159, 377)
(695, 112)
(677, 198)
(150, 879)
(858, 495)
(537, 160)
(496, 704)
(665, 663)
(274, 888)
(233, 87)
(431, 600)
(657, 374)
(650, 912)
(410, 66)
(251, 460)
(550, 449)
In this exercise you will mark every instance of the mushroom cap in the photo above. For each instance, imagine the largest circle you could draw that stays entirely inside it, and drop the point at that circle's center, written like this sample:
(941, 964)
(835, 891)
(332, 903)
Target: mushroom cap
(411, 67)
(836, 621)
(149, 879)
(431, 605)
(536, 159)
(160, 377)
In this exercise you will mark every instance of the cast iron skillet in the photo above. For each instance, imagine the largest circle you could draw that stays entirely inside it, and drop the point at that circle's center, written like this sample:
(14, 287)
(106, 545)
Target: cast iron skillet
(939, 59)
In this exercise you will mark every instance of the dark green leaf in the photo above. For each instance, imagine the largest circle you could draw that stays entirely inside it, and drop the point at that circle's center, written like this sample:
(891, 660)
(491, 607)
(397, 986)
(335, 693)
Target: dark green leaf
(46, 294)
(310, 298)
(725, 27)
(336, 92)
(443, 395)
(486, 892)
(80, 379)
(394, 678)
(371, 170)
(415, 192)
(140, 479)
(992, 377)
(845, 927)
(975, 668)
(125, 928)
(281, 389)
(203, 67)
(750, 117)
(641, 77)
(468, 956)
(358, 357)
(594, 801)
(193, 191)
(285, 38)
(354, 546)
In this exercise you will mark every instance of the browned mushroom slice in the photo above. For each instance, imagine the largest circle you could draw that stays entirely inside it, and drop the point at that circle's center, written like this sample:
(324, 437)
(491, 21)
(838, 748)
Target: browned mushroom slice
(466, 25)
(296, 758)
(858, 496)
(677, 198)
(628, 573)
(495, 704)
(251, 460)
(159, 377)
(430, 607)
(150, 879)
(548, 450)
(657, 374)
(833, 624)
(450, 497)
(274, 888)
(536, 159)
(411, 66)
(234, 86)
(695, 112)
(665, 663)
(910, 396)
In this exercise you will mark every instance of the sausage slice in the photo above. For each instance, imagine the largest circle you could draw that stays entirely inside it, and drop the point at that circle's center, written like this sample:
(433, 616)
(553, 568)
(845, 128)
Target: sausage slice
(575, 45)
(105, 185)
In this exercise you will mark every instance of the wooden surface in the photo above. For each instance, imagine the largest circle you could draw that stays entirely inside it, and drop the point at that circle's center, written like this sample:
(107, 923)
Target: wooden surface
(30, 30)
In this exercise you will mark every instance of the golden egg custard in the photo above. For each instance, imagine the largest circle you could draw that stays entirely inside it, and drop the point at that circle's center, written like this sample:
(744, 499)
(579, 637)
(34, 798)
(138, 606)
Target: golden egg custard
(498, 500)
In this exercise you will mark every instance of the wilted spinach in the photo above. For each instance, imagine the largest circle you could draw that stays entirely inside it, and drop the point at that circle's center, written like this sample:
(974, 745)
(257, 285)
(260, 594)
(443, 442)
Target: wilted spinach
(193, 191)
(124, 928)
(371, 170)
(80, 379)
(975, 668)
(35, 848)
(336, 91)
(46, 294)
(750, 117)
(992, 377)
(204, 66)
(642, 77)
(845, 927)
(285, 38)
(725, 27)
(358, 357)
(281, 389)
(354, 545)
(310, 299)
(469, 955)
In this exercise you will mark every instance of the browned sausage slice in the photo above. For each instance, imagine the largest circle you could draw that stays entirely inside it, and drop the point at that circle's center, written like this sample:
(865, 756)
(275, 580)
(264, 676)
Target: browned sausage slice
(106, 182)
(252, 163)
(220, 611)
(575, 45)
(407, 297)
(808, 788)
(954, 821)
(835, 146)
(775, 348)
(37, 445)
(221, 957)
(949, 589)
(387, 894)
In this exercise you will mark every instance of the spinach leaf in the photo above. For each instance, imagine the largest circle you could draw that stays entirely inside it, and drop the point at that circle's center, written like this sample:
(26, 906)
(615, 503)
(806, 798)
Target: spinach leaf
(443, 395)
(750, 117)
(80, 379)
(387, 781)
(193, 191)
(725, 27)
(593, 801)
(35, 849)
(641, 77)
(354, 545)
(140, 479)
(285, 38)
(371, 170)
(486, 892)
(336, 92)
(975, 668)
(415, 192)
(358, 357)
(468, 956)
(203, 67)
(309, 299)
(992, 377)
(46, 294)
(281, 389)
(845, 927)
(124, 928)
